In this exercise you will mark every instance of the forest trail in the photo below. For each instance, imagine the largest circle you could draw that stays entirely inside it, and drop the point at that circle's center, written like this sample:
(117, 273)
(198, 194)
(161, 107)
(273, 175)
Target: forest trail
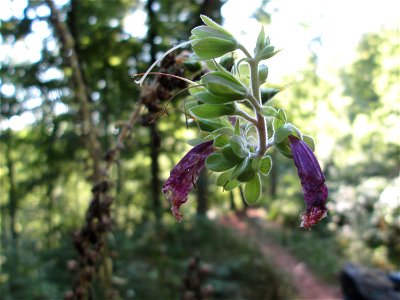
(306, 284)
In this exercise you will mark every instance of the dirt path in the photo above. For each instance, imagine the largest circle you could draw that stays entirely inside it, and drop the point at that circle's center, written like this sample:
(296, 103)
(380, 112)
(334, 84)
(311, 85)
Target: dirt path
(307, 285)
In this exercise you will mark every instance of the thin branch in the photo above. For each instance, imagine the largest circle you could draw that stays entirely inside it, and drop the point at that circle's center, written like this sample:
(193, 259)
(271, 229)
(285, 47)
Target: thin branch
(88, 128)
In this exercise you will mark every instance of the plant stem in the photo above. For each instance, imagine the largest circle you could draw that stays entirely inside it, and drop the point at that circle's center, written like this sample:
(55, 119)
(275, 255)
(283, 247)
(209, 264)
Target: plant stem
(246, 116)
(261, 124)
(255, 100)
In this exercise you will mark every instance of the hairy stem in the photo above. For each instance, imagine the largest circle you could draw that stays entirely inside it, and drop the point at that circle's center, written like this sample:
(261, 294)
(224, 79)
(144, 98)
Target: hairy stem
(261, 124)
(246, 116)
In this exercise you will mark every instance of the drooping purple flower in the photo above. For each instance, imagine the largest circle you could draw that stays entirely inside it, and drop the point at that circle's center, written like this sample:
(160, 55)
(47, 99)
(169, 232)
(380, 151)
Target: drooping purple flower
(312, 180)
(184, 175)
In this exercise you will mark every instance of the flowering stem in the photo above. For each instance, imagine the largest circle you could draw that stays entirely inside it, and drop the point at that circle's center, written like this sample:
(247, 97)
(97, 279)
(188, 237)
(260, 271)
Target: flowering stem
(246, 116)
(261, 124)
(255, 101)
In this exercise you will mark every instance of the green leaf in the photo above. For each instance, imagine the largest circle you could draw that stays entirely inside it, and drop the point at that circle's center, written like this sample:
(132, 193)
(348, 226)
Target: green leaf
(282, 114)
(268, 111)
(212, 47)
(280, 120)
(248, 173)
(239, 169)
(282, 133)
(268, 93)
(266, 165)
(266, 53)
(221, 140)
(209, 125)
(209, 98)
(309, 141)
(224, 85)
(252, 190)
(260, 44)
(229, 155)
(195, 142)
(206, 31)
(217, 163)
(238, 146)
(237, 127)
(284, 149)
(224, 181)
(210, 111)
(209, 22)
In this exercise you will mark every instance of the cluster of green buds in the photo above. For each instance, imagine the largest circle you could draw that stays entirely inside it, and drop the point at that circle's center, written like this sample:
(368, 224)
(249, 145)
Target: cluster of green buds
(233, 112)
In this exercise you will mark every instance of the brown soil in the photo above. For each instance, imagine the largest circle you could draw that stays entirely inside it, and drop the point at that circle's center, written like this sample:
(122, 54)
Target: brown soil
(306, 284)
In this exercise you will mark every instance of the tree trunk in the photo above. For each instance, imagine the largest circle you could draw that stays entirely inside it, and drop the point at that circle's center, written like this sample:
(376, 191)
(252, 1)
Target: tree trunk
(155, 181)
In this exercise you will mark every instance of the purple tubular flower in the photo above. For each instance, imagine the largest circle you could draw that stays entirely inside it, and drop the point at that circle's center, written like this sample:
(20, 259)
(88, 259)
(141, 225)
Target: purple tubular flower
(183, 176)
(312, 180)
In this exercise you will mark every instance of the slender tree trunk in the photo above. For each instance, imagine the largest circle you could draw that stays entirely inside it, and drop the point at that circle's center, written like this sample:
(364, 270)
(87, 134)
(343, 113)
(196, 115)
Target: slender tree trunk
(154, 135)
(155, 181)
(12, 195)
(12, 208)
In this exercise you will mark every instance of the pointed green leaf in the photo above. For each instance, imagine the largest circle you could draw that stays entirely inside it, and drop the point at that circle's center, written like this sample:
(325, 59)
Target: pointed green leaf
(195, 142)
(209, 98)
(252, 190)
(224, 85)
(260, 44)
(206, 31)
(284, 149)
(238, 146)
(237, 127)
(229, 155)
(282, 133)
(268, 111)
(239, 169)
(248, 173)
(280, 120)
(209, 111)
(309, 141)
(217, 163)
(221, 140)
(209, 125)
(212, 47)
(209, 22)
(268, 93)
(223, 180)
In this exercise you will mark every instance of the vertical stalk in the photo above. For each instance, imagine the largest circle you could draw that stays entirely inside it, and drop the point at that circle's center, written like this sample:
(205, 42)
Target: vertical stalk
(261, 124)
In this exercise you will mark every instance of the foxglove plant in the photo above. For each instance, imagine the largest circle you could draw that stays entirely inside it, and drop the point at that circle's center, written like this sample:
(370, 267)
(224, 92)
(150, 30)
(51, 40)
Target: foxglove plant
(233, 113)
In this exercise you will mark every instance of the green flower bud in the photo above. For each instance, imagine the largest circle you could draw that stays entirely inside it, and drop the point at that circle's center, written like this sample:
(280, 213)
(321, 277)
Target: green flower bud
(212, 41)
(262, 73)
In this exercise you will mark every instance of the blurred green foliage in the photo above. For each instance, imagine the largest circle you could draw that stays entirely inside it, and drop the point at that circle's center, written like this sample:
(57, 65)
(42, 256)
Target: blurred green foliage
(44, 169)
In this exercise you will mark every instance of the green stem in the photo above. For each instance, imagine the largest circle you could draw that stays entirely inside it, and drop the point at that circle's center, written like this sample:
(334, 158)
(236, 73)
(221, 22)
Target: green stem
(255, 100)
(261, 124)
(244, 115)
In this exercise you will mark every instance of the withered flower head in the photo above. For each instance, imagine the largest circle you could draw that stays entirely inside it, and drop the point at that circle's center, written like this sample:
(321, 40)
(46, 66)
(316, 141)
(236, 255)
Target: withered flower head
(184, 175)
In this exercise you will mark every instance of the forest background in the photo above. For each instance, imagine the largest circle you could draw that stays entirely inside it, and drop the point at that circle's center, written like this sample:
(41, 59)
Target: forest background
(57, 128)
